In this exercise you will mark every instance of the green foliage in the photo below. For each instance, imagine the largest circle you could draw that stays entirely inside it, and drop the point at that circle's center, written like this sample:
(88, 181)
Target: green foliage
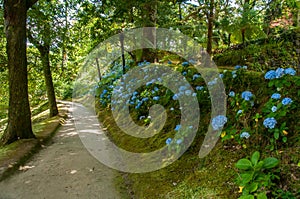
(260, 57)
(275, 108)
(255, 176)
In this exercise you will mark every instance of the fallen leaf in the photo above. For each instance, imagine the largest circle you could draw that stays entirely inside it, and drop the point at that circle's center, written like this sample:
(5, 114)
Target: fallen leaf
(25, 168)
(73, 172)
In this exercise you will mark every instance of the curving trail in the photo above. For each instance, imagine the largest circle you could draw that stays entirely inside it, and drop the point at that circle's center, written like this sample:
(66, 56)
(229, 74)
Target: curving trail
(63, 169)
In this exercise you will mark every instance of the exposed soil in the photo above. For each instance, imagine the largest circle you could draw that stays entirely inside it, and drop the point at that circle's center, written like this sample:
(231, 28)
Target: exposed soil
(62, 169)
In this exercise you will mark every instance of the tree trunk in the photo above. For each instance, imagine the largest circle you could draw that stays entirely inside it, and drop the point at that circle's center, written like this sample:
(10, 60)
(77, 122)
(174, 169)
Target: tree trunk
(243, 36)
(64, 35)
(48, 80)
(210, 27)
(179, 10)
(149, 21)
(44, 50)
(19, 116)
(122, 51)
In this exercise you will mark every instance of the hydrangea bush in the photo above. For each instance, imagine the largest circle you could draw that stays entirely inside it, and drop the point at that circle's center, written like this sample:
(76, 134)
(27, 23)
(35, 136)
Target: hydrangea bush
(259, 110)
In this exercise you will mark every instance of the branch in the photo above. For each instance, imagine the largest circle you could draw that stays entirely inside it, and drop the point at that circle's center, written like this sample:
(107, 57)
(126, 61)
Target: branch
(30, 3)
(32, 40)
(194, 13)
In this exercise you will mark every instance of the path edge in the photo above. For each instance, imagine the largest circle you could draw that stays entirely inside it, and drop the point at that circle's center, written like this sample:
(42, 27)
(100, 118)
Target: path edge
(33, 146)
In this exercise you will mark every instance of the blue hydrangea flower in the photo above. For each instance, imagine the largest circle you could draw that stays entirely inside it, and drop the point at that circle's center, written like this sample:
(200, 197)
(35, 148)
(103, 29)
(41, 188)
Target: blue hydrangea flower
(221, 75)
(212, 82)
(188, 92)
(104, 91)
(239, 111)
(148, 83)
(179, 141)
(231, 94)
(276, 96)
(171, 109)
(145, 99)
(247, 95)
(286, 101)
(234, 75)
(182, 88)
(169, 62)
(184, 73)
(192, 61)
(175, 97)
(245, 135)
(133, 98)
(184, 64)
(245, 67)
(279, 72)
(199, 88)
(270, 74)
(138, 106)
(168, 141)
(218, 122)
(274, 109)
(290, 71)
(178, 126)
(196, 76)
(270, 122)
(237, 67)
(156, 98)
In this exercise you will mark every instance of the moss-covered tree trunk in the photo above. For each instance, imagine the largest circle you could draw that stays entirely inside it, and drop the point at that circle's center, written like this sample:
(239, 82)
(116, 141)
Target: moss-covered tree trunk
(19, 116)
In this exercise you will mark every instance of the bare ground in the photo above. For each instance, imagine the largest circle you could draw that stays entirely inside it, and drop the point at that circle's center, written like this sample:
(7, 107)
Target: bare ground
(62, 169)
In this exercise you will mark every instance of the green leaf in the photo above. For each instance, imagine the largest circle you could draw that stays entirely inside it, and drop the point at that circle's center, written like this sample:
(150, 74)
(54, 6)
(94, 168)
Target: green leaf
(259, 165)
(288, 84)
(252, 187)
(276, 135)
(282, 113)
(262, 196)
(284, 139)
(270, 162)
(243, 164)
(246, 177)
(247, 197)
(255, 157)
(271, 83)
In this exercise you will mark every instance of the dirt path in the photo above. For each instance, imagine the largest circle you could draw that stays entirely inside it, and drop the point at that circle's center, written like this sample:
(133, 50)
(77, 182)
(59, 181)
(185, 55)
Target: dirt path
(63, 169)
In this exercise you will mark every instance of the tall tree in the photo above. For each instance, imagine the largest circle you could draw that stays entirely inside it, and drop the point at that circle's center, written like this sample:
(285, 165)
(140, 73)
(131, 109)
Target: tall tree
(210, 23)
(19, 116)
(42, 41)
